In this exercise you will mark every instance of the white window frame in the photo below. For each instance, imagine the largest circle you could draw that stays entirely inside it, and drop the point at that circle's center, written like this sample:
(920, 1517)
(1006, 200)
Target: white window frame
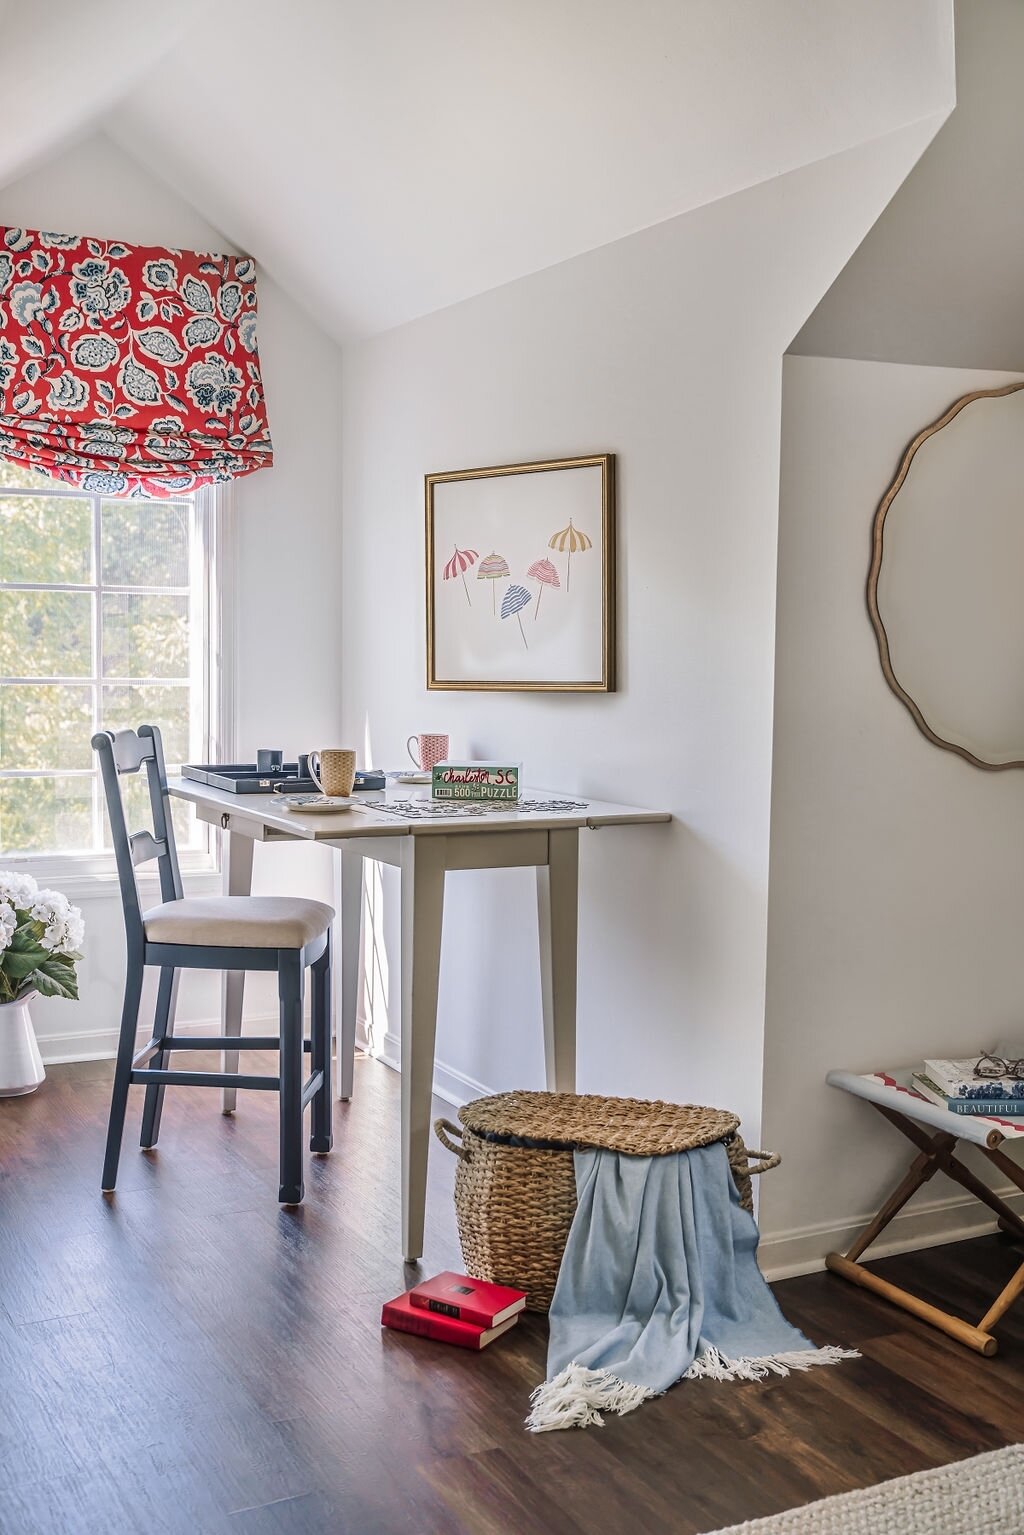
(212, 648)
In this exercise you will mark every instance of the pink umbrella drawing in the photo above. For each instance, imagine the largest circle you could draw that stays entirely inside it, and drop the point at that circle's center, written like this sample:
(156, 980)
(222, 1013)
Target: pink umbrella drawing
(459, 563)
(515, 598)
(570, 539)
(494, 568)
(545, 573)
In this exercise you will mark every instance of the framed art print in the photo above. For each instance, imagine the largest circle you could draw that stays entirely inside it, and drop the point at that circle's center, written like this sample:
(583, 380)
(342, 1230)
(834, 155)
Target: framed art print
(521, 577)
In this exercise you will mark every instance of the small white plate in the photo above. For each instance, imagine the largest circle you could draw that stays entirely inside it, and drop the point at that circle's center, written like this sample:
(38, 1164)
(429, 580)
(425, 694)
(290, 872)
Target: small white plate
(315, 804)
(415, 778)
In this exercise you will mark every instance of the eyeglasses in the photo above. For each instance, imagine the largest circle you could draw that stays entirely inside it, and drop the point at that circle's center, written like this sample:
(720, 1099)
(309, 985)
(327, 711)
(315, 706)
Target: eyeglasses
(996, 1066)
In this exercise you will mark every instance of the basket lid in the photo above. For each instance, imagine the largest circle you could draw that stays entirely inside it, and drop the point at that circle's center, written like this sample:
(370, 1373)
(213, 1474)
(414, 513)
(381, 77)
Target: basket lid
(634, 1125)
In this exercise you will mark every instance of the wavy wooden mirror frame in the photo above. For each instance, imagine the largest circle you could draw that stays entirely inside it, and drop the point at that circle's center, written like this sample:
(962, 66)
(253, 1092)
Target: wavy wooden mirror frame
(877, 541)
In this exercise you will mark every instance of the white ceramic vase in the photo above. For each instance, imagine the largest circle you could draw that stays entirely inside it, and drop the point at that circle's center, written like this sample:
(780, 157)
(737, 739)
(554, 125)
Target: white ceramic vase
(21, 1065)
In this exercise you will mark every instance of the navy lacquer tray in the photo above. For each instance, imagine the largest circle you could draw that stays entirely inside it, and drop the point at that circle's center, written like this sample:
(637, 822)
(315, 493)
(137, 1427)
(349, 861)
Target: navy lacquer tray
(245, 778)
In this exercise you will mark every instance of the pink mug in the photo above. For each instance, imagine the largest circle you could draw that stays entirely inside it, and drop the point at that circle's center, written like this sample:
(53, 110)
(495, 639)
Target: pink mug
(431, 749)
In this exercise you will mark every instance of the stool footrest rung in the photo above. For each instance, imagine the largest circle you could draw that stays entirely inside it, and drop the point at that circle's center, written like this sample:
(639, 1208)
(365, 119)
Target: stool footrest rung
(205, 1079)
(227, 1042)
(211, 1042)
(976, 1338)
(171, 1078)
(312, 1086)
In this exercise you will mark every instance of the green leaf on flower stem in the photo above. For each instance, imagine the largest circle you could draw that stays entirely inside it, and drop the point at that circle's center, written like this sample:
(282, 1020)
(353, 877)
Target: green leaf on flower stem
(26, 964)
(19, 964)
(56, 980)
(27, 935)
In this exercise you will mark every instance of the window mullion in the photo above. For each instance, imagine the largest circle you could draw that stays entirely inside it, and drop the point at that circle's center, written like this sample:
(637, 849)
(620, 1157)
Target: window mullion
(97, 666)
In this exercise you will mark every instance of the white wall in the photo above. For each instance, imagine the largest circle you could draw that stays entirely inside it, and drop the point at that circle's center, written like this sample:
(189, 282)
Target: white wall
(897, 883)
(666, 349)
(288, 559)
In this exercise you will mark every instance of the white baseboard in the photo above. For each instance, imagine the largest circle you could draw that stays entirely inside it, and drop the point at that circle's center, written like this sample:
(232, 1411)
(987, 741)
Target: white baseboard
(101, 1044)
(802, 1250)
(451, 1085)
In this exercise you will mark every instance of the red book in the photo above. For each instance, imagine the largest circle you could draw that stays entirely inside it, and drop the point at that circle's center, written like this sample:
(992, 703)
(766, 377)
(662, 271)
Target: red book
(468, 1300)
(403, 1315)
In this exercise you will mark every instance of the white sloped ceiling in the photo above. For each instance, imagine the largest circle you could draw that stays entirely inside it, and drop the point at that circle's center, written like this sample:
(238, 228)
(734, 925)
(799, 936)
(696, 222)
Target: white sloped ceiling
(938, 279)
(385, 160)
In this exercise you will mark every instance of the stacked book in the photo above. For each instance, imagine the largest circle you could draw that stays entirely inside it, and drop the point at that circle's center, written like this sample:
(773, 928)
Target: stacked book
(452, 1308)
(953, 1085)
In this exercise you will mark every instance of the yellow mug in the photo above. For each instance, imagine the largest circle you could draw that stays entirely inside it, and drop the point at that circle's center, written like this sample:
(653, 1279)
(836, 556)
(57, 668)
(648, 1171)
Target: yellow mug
(333, 770)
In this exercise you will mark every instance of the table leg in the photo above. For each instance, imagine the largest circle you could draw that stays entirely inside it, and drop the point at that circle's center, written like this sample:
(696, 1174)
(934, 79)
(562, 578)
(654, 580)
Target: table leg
(236, 879)
(348, 900)
(423, 869)
(558, 924)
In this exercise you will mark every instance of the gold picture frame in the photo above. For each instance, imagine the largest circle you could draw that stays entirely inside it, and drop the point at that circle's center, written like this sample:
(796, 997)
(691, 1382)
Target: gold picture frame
(474, 647)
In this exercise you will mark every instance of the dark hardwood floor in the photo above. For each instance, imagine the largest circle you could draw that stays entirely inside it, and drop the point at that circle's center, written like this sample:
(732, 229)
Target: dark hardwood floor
(187, 1357)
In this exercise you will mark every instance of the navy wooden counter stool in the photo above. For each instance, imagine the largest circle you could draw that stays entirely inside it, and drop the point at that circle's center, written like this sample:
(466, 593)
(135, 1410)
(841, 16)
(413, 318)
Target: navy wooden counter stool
(212, 933)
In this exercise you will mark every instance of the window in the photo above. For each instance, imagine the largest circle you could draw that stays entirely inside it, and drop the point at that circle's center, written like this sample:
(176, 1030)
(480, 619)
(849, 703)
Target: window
(107, 619)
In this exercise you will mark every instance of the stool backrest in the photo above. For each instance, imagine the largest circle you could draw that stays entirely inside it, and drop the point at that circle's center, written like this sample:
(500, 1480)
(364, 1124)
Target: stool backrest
(128, 751)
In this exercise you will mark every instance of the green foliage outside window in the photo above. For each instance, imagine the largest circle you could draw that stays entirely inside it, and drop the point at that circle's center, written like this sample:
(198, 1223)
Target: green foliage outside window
(111, 654)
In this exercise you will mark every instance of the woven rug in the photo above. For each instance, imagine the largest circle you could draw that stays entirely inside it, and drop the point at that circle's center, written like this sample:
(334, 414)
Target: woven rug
(981, 1496)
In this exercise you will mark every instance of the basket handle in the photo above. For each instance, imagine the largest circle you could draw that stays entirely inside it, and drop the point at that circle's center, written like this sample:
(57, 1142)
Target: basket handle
(767, 1160)
(442, 1128)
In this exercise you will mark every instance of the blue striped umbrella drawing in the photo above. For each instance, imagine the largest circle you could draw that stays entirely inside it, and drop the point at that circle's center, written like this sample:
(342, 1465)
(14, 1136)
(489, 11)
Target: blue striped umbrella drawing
(516, 597)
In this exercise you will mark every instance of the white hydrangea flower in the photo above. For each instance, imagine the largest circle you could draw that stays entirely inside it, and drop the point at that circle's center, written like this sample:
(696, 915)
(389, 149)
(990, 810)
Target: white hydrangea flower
(63, 928)
(18, 889)
(74, 932)
(8, 922)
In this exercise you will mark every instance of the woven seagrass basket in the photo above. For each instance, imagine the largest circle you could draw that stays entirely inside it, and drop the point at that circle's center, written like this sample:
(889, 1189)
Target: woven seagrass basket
(515, 1185)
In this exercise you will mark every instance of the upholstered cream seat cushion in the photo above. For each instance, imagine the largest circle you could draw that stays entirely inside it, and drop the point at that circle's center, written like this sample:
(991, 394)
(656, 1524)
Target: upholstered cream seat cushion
(239, 921)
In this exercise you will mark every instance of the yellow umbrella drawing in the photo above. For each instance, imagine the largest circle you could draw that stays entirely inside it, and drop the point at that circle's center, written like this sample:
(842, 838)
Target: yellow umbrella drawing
(569, 540)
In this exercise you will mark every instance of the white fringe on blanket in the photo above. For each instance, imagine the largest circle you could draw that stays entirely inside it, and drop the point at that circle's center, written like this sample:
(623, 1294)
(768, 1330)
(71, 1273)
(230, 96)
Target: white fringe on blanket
(711, 1365)
(577, 1397)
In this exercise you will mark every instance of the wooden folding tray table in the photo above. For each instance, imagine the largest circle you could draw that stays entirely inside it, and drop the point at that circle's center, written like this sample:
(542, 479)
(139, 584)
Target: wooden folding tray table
(935, 1132)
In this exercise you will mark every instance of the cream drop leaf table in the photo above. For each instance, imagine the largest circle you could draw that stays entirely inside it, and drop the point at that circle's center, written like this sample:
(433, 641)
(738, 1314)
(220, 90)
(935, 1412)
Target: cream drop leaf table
(425, 842)
(936, 1132)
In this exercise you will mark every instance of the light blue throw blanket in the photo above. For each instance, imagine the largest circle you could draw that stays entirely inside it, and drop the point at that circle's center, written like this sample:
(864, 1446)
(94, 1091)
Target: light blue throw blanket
(659, 1280)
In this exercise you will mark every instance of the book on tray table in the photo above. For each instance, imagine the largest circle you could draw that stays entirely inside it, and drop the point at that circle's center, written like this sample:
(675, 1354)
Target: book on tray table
(957, 1079)
(906, 1084)
(1007, 1107)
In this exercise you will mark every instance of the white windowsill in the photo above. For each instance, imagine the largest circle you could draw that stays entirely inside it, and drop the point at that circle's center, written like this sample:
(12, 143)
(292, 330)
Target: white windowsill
(94, 877)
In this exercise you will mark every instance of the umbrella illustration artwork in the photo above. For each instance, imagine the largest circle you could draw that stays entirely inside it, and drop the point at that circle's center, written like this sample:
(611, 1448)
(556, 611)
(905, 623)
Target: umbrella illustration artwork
(570, 539)
(494, 568)
(545, 573)
(459, 563)
(515, 598)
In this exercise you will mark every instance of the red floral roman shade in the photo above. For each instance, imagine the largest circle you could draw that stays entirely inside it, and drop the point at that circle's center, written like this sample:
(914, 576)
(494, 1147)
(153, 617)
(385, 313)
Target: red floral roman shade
(128, 370)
